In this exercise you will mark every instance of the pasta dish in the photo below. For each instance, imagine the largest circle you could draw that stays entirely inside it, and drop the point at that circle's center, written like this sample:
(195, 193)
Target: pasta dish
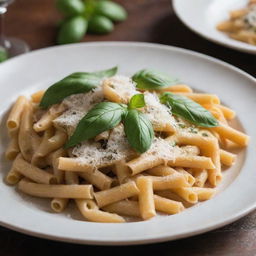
(241, 25)
(120, 146)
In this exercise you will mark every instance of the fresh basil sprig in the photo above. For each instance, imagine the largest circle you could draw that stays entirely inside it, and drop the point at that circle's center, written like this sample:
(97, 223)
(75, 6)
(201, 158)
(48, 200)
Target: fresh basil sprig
(137, 127)
(139, 130)
(188, 109)
(106, 115)
(79, 82)
(137, 101)
(102, 117)
(153, 80)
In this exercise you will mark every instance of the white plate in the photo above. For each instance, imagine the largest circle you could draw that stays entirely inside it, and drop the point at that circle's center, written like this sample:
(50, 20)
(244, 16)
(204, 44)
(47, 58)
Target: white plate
(38, 69)
(202, 16)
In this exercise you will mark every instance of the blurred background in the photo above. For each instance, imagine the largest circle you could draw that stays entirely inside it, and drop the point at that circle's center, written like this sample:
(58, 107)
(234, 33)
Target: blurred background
(36, 22)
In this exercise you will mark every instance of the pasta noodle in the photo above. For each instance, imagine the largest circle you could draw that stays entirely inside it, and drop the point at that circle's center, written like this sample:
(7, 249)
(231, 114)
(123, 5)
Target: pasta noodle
(146, 197)
(116, 194)
(58, 191)
(168, 206)
(14, 118)
(13, 149)
(32, 172)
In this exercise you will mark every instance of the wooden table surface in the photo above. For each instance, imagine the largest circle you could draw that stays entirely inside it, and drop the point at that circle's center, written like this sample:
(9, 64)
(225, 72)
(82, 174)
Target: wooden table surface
(149, 21)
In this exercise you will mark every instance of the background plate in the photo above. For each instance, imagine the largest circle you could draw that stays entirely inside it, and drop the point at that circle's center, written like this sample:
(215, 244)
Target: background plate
(202, 16)
(38, 69)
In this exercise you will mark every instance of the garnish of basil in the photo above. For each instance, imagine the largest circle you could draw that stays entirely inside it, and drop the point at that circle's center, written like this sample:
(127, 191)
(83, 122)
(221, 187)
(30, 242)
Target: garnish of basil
(106, 115)
(79, 82)
(102, 117)
(153, 80)
(137, 101)
(188, 110)
(139, 130)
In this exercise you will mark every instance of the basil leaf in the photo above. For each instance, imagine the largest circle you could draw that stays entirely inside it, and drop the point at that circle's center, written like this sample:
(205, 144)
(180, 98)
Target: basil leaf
(79, 82)
(3, 54)
(106, 73)
(153, 80)
(137, 101)
(102, 117)
(139, 130)
(189, 110)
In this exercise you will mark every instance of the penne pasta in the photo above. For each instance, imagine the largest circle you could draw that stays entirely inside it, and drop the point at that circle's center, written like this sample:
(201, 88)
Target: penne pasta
(182, 88)
(124, 207)
(203, 193)
(51, 142)
(201, 162)
(46, 120)
(98, 179)
(59, 204)
(32, 172)
(37, 96)
(58, 191)
(73, 165)
(167, 206)
(175, 180)
(116, 194)
(13, 148)
(122, 171)
(187, 193)
(227, 158)
(201, 176)
(89, 210)
(14, 118)
(52, 160)
(202, 98)
(28, 140)
(190, 179)
(13, 177)
(231, 134)
(146, 197)
(143, 163)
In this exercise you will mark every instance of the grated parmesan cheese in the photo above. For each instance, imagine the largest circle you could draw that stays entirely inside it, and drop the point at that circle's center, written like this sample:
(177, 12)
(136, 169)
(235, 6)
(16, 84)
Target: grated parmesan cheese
(163, 149)
(117, 146)
(78, 106)
(156, 112)
(93, 153)
(123, 86)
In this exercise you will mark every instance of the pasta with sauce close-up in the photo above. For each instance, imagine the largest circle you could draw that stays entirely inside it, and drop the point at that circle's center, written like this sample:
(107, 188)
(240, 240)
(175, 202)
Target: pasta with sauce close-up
(120, 146)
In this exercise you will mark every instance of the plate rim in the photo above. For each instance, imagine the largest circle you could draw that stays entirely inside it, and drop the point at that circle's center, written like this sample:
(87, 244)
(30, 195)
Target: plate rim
(163, 238)
(209, 37)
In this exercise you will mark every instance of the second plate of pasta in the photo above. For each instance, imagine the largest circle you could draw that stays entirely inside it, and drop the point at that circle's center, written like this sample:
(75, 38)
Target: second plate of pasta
(144, 151)
(230, 23)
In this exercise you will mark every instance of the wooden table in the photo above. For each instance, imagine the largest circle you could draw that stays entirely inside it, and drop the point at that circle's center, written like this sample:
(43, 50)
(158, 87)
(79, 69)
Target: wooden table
(149, 21)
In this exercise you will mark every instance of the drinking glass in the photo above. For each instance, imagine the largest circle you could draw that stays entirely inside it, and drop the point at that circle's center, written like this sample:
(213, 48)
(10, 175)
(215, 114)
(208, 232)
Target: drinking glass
(13, 46)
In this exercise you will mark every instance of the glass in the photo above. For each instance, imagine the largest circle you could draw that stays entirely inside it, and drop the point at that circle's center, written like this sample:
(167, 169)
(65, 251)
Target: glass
(13, 46)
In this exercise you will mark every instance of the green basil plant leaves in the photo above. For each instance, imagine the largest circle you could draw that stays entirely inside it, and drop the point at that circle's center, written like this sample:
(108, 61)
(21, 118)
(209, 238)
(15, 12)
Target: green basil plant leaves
(189, 110)
(79, 82)
(102, 117)
(106, 115)
(139, 130)
(153, 80)
(137, 101)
